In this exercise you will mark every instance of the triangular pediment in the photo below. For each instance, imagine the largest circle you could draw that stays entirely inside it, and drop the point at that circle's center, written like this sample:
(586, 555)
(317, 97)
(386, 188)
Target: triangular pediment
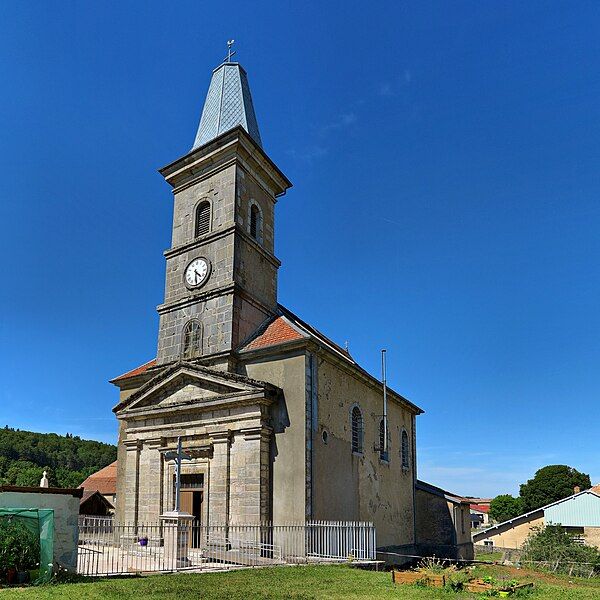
(187, 384)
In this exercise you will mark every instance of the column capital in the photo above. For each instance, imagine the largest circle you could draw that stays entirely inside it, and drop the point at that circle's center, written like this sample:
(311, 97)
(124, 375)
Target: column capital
(261, 432)
(221, 437)
(133, 444)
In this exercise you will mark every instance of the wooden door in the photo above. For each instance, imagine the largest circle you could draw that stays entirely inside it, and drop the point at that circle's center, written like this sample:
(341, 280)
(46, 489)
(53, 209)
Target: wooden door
(187, 502)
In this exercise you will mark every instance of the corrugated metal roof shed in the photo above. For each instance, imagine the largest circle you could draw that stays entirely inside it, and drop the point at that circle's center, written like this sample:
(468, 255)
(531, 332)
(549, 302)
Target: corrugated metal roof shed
(580, 510)
(570, 512)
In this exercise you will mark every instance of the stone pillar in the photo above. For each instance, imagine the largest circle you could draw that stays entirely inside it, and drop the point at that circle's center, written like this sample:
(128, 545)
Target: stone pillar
(218, 510)
(150, 485)
(132, 482)
(250, 476)
(177, 529)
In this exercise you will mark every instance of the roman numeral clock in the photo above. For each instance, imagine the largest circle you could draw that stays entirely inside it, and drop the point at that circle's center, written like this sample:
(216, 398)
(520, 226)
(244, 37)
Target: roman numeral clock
(197, 273)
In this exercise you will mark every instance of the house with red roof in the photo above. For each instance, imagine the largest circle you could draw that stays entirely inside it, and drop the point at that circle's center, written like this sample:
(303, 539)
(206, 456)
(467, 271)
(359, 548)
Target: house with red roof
(104, 482)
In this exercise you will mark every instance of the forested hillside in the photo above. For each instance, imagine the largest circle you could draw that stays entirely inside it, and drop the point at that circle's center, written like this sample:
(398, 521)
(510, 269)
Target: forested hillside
(24, 455)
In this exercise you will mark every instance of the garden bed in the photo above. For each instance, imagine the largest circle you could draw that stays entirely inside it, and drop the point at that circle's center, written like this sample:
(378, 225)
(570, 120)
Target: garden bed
(458, 581)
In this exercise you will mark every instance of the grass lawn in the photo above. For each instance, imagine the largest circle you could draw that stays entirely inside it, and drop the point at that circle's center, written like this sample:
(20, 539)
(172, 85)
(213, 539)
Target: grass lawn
(489, 556)
(292, 582)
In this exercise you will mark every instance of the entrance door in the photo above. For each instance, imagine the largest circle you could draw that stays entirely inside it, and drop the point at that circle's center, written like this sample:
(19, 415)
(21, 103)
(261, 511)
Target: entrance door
(195, 503)
(191, 499)
(187, 501)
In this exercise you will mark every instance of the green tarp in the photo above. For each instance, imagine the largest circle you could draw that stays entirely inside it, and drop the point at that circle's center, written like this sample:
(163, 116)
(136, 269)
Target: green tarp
(40, 521)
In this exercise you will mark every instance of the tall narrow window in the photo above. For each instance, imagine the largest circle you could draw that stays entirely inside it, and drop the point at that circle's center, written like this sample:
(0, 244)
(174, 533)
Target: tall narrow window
(383, 451)
(192, 339)
(203, 218)
(255, 222)
(357, 430)
(405, 450)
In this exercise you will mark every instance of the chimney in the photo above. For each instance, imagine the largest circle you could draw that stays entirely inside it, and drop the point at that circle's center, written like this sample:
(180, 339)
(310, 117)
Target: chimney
(576, 489)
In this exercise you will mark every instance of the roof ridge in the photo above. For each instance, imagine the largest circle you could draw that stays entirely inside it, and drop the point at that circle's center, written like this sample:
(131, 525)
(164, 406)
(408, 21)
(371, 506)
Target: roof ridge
(317, 333)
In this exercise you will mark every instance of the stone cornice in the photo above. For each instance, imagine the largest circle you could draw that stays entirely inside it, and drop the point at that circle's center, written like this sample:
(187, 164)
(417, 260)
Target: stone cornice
(229, 148)
(196, 405)
(198, 242)
(194, 298)
(132, 444)
(216, 235)
(233, 288)
(240, 383)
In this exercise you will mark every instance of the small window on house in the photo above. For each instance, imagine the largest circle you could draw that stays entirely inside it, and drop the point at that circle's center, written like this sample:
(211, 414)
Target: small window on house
(255, 222)
(203, 218)
(192, 339)
(357, 430)
(404, 450)
(383, 449)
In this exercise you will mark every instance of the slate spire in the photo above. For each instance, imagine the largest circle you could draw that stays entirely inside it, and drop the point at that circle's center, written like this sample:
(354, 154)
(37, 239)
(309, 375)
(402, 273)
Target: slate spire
(228, 104)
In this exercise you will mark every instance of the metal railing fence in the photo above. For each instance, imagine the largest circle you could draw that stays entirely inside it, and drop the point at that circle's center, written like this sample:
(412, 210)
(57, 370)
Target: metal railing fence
(109, 548)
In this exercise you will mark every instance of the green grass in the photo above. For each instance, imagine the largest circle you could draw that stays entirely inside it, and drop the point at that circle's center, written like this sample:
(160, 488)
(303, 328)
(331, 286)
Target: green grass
(489, 556)
(299, 583)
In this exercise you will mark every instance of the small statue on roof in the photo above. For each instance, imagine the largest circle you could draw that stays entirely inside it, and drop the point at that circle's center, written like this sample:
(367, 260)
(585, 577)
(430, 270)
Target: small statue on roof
(44, 480)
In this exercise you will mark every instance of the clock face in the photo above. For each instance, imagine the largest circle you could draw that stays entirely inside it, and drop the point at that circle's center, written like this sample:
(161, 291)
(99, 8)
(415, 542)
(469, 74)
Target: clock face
(197, 272)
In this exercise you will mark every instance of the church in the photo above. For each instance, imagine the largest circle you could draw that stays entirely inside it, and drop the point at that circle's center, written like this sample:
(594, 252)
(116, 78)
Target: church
(280, 422)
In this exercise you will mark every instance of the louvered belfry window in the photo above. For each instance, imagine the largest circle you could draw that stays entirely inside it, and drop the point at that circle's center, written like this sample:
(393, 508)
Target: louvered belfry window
(203, 218)
(254, 221)
(357, 430)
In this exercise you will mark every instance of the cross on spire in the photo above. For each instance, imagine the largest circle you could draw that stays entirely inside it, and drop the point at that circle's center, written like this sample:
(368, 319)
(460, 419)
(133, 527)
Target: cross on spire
(230, 52)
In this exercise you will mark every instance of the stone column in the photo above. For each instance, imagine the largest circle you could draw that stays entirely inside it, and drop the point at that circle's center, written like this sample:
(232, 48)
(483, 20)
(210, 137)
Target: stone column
(132, 482)
(218, 511)
(150, 481)
(250, 476)
(177, 529)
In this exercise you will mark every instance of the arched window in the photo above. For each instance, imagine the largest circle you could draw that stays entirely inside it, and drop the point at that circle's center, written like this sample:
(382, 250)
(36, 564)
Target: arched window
(357, 430)
(192, 339)
(383, 451)
(404, 450)
(256, 222)
(203, 218)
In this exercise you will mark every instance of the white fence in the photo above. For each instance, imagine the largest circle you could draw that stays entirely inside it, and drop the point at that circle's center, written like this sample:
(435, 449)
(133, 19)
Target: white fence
(108, 548)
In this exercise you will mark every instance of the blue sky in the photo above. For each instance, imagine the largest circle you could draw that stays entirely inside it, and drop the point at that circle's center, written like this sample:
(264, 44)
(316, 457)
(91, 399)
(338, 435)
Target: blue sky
(445, 205)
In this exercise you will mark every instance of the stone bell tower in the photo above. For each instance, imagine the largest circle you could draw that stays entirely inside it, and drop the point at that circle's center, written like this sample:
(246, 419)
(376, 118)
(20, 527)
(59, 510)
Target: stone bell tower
(221, 275)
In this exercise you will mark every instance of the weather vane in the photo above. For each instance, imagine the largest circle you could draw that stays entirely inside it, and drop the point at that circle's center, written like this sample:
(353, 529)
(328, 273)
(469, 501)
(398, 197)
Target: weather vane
(230, 52)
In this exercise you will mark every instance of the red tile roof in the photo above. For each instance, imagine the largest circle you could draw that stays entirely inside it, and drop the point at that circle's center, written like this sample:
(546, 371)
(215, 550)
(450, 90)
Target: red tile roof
(277, 332)
(103, 481)
(137, 371)
(484, 508)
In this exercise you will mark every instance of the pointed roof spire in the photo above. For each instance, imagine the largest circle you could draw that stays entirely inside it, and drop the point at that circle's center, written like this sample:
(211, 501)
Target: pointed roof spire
(228, 103)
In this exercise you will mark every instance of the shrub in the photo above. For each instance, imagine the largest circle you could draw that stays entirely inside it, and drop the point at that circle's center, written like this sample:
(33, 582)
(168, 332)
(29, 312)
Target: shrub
(552, 544)
(19, 547)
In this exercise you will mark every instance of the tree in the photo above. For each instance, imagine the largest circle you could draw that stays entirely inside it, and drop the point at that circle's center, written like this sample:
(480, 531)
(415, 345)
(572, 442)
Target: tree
(24, 455)
(505, 507)
(550, 484)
